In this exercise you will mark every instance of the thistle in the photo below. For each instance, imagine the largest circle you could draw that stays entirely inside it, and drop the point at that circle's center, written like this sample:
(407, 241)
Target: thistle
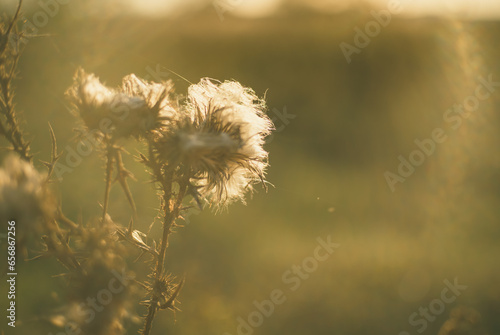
(217, 141)
(102, 291)
(134, 109)
(211, 149)
(25, 198)
(208, 148)
(10, 53)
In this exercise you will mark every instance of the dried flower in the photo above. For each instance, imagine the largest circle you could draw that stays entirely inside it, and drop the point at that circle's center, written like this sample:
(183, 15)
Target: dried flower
(463, 321)
(26, 199)
(103, 289)
(156, 96)
(133, 110)
(24, 195)
(218, 140)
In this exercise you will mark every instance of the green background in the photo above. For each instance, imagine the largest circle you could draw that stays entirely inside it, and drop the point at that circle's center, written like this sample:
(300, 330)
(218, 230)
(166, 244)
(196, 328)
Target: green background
(327, 163)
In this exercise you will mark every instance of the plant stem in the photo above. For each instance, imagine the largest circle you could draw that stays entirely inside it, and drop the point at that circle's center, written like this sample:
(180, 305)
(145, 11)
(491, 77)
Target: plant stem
(109, 172)
(8, 63)
(171, 210)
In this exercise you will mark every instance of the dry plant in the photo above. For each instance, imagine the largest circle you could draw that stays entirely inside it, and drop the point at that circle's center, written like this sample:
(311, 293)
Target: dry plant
(206, 148)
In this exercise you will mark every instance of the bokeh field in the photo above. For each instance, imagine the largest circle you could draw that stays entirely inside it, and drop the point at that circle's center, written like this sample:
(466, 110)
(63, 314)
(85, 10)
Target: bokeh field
(346, 125)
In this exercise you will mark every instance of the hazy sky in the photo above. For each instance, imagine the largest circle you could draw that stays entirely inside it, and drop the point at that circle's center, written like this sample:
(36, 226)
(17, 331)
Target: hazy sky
(468, 8)
(474, 9)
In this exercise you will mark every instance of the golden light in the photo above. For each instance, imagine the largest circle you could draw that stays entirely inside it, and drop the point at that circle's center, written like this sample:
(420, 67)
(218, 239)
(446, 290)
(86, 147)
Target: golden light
(481, 9)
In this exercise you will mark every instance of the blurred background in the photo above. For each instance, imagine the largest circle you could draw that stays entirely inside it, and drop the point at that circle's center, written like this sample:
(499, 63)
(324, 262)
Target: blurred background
(343, 118)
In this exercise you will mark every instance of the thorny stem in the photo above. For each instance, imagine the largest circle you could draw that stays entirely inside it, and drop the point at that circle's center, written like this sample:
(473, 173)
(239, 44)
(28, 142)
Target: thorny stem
(54, 156)
(109, 172)
(63, 219)
(58, 245)
(168, 220)
(122, 176)
(113, 156)
(13, 22)
(9, 128)
(171, 208)
(8, 63)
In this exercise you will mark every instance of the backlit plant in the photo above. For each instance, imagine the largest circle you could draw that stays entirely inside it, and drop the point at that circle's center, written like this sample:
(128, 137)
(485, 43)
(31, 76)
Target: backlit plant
(206, 149)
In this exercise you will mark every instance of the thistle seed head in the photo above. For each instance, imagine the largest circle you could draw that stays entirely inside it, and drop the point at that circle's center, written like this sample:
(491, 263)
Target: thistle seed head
(24, 195)
(156, 95)
(218, 140)
(103, 276)
(134, 109)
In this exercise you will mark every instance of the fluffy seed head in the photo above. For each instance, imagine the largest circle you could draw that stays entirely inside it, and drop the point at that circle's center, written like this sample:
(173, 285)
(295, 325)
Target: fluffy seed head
(26, 199)
(218, 140)
(104, 276)
(131, 110)
(156, 95)
(23, 192)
